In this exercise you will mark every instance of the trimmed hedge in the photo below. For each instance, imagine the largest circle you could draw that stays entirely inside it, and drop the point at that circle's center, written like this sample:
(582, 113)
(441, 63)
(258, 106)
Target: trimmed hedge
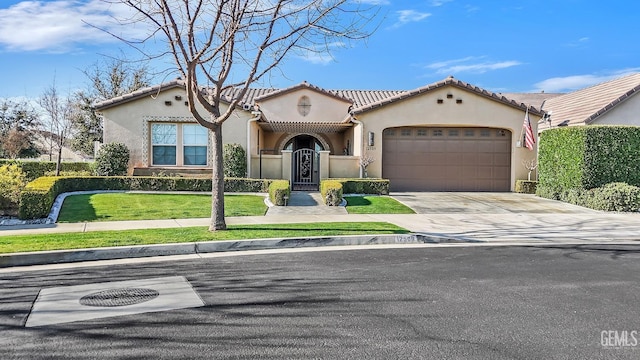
(610, 197)
(38, 196)
(364, 186)
(526, 186)
(35, 169)
(331, 191)
(279, 192)
(587, 157)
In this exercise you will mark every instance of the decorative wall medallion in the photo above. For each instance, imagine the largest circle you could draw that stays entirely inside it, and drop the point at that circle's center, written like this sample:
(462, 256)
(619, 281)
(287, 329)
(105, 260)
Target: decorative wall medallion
(304, 106)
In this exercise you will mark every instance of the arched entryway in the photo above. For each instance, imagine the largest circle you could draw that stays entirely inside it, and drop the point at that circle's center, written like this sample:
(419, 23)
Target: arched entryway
(305, 162)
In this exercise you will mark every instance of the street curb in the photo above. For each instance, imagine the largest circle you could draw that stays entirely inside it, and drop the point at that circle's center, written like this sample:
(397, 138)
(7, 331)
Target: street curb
(141, 251)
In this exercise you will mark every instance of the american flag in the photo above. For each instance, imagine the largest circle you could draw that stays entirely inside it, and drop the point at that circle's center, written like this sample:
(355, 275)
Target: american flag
(529, 137)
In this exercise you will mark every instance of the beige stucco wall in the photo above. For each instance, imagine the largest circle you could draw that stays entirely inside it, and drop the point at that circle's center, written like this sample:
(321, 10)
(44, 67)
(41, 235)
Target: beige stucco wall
(271, 166)
(625, 113)
(344, 167)
(423, 110)
(126, 123)
(323, 108)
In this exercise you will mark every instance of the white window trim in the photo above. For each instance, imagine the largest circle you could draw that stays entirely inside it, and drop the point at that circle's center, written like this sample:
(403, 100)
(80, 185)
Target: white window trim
(146, 141)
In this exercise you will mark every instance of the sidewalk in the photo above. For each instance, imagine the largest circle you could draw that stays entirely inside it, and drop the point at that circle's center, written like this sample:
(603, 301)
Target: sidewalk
(460, 227)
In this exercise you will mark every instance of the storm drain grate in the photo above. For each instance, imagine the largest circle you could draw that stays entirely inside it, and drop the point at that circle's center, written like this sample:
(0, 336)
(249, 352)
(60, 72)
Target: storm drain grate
(119, 297)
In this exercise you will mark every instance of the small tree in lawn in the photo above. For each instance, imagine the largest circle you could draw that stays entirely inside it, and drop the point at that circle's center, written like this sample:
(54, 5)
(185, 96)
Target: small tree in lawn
(530, 165)
(218, 45)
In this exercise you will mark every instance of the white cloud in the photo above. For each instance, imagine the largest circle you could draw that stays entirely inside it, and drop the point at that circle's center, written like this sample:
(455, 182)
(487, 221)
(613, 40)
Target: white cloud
(407, 16)
(470, 64)
(575, 82)
(60, 25)
(321, 55)
(439, 2)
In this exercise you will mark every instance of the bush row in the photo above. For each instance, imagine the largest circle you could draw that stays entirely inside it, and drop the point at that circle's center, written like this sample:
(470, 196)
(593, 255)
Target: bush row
(35, 169)
(365, 186)
(38, 196)
(610, 197)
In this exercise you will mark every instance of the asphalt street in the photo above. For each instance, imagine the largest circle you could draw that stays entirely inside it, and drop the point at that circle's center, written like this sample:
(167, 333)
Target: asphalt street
(475, 302)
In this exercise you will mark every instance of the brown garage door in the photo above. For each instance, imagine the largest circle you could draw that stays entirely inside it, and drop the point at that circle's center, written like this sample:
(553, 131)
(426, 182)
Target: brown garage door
(447, 159)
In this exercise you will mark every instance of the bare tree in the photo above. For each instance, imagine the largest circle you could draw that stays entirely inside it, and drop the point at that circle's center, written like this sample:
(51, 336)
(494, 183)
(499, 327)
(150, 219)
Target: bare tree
(59, 110)
(18, 125)
(218, 45)
(108, 78)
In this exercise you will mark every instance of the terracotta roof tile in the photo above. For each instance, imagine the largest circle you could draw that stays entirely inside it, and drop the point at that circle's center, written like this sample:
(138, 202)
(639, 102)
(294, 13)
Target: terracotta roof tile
(448, 81)
(362, 100)
(584, 106)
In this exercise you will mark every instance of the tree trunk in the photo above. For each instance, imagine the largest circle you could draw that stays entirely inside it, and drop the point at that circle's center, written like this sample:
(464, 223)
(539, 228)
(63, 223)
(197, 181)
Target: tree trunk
(217, 182)
(58, 165)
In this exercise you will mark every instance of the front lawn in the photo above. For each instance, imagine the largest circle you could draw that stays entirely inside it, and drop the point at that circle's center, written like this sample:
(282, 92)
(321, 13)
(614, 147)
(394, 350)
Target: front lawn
(375, 205)
(134, 206)
(97, 239)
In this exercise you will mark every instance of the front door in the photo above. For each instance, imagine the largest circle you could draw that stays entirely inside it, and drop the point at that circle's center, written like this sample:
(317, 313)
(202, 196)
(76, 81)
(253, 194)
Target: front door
(305, 166)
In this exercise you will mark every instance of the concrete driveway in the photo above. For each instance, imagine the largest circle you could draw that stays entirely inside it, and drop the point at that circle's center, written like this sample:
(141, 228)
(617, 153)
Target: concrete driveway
(510, 217)
(484, 203)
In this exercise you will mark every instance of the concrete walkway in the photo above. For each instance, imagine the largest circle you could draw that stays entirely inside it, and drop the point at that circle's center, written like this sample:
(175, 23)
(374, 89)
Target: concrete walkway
(306, 203)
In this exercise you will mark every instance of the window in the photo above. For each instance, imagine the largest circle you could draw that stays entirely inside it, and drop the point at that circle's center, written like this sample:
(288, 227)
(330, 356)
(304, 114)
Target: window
(453, 132)
(163, 144)
(179, 144)
(422, 132)
(194, 139)
(437, 132)
(405, 132)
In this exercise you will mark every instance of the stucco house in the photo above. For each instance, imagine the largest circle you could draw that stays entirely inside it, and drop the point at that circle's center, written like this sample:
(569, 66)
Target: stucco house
(614, 102)
(445, 136)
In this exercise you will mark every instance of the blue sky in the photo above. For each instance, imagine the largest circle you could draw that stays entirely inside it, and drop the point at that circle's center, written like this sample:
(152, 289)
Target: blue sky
(502, 46)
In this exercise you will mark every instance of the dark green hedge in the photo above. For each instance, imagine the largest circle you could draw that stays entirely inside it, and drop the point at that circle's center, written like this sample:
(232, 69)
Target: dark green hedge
(365, 186)
(36, 169)
(38, 196)
(587, 157)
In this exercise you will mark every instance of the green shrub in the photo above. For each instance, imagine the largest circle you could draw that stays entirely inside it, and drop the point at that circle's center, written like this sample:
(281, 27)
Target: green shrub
(35, 169)
(112, 160)
(331, 191)
(12, 181)
(614, 197)
(234, 160)
(246, 185)
(526, 186)
(365, 186)
(279, 192)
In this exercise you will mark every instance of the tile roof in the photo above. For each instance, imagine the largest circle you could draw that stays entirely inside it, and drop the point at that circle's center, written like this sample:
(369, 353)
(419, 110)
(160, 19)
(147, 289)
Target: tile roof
(452, 82)
(362, 100)
(584, 106)
(140, 93)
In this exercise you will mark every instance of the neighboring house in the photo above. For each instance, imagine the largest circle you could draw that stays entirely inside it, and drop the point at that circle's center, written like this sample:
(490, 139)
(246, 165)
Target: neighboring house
(614, 102)
(446, 136)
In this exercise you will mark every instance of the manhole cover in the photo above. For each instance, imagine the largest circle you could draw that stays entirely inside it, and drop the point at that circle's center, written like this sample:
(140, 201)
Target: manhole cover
(119, 297)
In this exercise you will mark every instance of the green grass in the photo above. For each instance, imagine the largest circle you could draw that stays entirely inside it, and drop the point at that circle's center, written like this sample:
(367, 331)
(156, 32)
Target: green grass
(131, 206)
(63, 241)
(375, 205)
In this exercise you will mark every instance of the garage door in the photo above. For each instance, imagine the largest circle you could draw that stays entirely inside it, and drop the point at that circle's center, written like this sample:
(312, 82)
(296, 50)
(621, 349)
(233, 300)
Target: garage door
(447, 159)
